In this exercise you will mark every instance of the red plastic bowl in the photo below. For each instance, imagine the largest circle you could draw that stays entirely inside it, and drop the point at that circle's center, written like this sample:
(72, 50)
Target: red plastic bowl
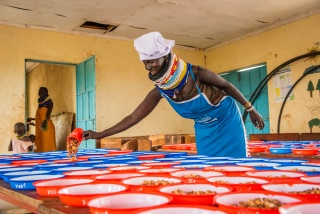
(305, 151)
(181, 209)
(239, 183)
(159, 172)
(183, 146)
(302, 207)
(277, 176)
(311, 179)
(190, 176)
(127, 169)
(169, 147)
(80, 195)
(85, 173)
(227, 202)
(150, 157)
(127, 202)
(230, 170)
(77, 134)
(113, 155)
(136, 184)
(19, 162)
(115, 178)
(86, 157)
(67, 160)
(204, 199)
(160, 164)
(254, 149)
(119, 152)
(295, 187)
(51, 187)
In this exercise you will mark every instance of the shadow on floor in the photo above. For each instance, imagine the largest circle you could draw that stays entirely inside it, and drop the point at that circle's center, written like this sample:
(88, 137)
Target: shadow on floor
(7, 208)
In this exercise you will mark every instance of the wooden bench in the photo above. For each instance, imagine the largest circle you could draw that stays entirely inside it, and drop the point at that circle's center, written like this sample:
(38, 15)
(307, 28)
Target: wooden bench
(275, 137)
(145, 143)
(309, 136)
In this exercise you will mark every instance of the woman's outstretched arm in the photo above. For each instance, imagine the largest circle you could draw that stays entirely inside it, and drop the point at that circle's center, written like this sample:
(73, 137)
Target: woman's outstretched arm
(143, 110)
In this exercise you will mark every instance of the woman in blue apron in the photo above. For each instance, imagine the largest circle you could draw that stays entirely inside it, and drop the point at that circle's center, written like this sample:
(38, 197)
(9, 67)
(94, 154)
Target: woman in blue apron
(194, 93)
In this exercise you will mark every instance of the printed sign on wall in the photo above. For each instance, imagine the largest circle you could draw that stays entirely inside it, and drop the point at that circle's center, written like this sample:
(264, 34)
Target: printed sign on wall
(282, 84)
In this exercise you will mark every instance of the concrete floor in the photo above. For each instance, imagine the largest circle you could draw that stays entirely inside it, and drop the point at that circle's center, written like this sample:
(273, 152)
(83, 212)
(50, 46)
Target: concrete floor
(7, 208)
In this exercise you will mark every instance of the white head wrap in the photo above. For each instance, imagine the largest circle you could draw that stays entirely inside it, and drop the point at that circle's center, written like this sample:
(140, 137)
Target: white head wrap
(153, 46)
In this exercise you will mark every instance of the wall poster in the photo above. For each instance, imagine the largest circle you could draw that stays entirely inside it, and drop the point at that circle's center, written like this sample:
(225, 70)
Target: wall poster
(282, 84)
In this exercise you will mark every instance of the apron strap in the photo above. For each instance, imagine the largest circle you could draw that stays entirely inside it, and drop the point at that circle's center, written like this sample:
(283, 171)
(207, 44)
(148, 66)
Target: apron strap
(194, 79)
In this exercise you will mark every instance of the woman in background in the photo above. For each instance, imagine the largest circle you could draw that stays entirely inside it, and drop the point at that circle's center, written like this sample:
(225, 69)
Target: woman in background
(45, 140)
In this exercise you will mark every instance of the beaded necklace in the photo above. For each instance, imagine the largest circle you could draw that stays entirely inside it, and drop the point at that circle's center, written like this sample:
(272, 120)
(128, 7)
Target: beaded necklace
(174, 78)
(20, 137)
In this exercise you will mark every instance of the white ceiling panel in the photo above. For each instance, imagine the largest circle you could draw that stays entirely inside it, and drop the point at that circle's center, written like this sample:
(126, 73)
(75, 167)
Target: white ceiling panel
(193, 23)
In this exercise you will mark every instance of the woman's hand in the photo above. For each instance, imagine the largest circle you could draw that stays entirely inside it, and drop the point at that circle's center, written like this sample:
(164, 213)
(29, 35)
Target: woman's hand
(256, 119)
(86, 135)
(29, 119)
(44, 125)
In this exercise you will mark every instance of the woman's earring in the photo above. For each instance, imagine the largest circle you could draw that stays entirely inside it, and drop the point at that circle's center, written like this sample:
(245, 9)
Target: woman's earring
(166, 60)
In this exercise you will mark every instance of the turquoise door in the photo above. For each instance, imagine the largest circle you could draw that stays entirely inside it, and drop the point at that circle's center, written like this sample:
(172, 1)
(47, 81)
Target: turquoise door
(86, 99)
(247, 82)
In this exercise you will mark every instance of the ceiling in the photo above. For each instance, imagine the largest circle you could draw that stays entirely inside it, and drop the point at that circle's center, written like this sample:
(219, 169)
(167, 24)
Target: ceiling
(202, 24)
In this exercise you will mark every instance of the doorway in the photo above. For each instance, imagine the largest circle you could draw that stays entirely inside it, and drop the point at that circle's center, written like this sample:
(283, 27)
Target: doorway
(61, 80)
(246, 81)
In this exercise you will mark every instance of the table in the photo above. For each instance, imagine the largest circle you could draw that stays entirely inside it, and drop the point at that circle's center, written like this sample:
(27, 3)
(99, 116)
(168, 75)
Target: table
(31, 201)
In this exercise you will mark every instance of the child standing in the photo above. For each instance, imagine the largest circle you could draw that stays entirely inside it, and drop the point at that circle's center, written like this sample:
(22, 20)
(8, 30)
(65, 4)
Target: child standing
(21, 143)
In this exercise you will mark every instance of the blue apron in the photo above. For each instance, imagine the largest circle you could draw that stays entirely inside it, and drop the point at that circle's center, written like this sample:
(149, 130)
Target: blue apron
(219, 129)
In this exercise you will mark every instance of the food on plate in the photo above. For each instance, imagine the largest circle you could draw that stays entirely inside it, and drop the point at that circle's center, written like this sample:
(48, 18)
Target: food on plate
(192, 176)
(262, 203)
(199, 192)
(307, 191)
(275, 176)
(156, 182)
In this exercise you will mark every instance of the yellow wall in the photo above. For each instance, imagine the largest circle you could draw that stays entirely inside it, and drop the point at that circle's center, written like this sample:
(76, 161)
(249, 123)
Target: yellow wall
(275, 47)
(121, 80)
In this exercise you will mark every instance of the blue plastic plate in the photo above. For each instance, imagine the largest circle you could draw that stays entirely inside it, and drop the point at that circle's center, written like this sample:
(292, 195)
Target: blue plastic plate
(309, 170)
(14, 169)
(221, 163)
(7, 176)
(248, 159)
(215, 158)
(288, 162)
(260, 165)
(192, 166)
(26, 182)
(192, 161)
(88, 163)
(103, 166)
(175, 154)
(122, 160)
(47, 166)
(169, 159)
(141, 161)
(67, 169)
(280, 150)
(191, 157)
